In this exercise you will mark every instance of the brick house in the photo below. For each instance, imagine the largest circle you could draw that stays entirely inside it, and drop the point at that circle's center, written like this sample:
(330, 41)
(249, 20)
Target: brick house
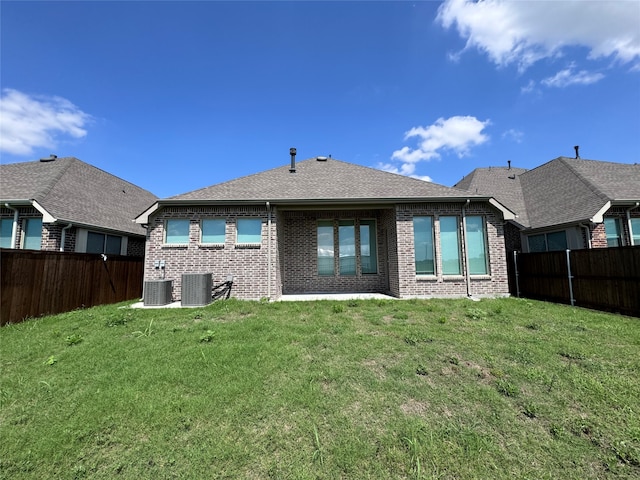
(327, 226)
(567, 203)
(64, 204)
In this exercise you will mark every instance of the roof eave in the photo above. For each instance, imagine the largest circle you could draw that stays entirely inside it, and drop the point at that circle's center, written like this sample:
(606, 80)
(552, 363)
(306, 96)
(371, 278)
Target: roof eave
(46, 216)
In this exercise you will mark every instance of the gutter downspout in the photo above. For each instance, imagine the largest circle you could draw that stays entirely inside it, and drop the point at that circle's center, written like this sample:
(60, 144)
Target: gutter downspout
(588, 233)
(269, 251)
(14, 228)
(631, 242)
(464, 244)
(64, 236)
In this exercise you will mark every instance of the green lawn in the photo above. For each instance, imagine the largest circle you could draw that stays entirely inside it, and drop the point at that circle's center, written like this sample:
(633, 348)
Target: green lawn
(446, 389)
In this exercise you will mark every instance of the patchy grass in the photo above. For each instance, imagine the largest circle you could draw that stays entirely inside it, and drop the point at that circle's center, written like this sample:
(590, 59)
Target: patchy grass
(434, 389)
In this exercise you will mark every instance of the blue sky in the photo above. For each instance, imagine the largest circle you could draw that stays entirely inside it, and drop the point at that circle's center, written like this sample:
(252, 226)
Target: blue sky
(175, 96)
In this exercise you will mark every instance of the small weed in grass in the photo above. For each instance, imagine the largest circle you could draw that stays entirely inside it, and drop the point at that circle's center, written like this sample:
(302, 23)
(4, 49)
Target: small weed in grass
(207, 336)
(52, 360)
(317, 453)
(442, 320)
(533, 326)
(401, 316)
(337, 308)
(453, 360)
(530, 410)
(73, 339)
(569, 355)
(507, 388)
(421, 370)
(147, 331)
(119, 319)
(476, 314)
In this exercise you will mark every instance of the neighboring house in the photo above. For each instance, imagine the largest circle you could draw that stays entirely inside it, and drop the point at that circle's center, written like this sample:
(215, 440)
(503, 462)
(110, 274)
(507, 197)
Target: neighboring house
(65, 204)
(567, 203)
(326, 226)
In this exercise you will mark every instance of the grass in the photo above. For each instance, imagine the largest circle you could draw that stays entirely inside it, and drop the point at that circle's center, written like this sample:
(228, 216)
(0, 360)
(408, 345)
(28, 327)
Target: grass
(433, 389)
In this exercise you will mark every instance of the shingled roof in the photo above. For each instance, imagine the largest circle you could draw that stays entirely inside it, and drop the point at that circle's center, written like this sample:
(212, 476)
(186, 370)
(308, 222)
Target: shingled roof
(72, 191)
(321, 181)
(562, 191)
(324, 179)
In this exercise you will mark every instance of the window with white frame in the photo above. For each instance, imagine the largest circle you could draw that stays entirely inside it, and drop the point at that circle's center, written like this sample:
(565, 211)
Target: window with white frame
(6, 231)
(477, 253)
(613, 231)
(249, 231)
(450, 245)
(325, 247)
(32, 235)
(176, 231)
(104, 243)
(423, 245)
(213, 230)
(635, 227)
(368, 248)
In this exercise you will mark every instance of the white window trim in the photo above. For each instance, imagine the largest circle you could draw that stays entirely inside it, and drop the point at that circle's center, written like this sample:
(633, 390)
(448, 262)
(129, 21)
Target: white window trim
(249, 244)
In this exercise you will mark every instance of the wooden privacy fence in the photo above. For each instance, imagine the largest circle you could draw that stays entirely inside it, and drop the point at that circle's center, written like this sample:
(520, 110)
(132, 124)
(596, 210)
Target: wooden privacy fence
(602, 278)
(35, 283)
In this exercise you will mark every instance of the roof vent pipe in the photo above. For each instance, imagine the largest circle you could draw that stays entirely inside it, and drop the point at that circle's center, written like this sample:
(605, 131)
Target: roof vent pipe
(509, 164)
(292, 152)
(577, 148)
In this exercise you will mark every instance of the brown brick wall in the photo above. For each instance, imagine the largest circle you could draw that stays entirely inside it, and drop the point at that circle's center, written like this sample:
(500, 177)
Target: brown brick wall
(249, 265)
(294, 252)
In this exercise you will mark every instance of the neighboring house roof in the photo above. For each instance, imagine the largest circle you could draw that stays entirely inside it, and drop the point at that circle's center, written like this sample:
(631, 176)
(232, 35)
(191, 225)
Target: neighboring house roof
(562, 191)
(503, 183)
(68, 190)
(321, 181)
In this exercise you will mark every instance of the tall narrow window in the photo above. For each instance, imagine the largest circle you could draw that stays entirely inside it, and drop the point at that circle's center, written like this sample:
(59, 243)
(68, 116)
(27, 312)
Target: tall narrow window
(423, 245)
(177, 231)
(325, 247)
(612, 230)
(347, 247)
(368, 251)
(476, 245)
(635, 226)
(6, 231)
(32, 234)
(213, 230)
(450, 245)
(249, 231)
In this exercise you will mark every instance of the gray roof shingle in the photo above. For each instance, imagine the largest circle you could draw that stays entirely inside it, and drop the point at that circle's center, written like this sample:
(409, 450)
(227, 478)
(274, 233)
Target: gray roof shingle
(316, 180)
(564, 190)
(74, 191)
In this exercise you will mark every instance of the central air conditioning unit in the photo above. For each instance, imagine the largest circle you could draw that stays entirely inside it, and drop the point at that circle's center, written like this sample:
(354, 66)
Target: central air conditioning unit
(196, 289)
(157, 292)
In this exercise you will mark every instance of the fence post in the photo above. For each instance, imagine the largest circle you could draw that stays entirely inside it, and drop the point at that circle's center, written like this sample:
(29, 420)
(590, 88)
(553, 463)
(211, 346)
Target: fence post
(570, 278)
(515, 264)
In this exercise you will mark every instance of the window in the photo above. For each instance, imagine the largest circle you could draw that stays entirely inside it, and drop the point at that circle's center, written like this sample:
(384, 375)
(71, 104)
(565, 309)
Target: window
(6, 229)
(548, 242)
(213, 230)
(476, 246)
(450, 244)
(325, 247)
(423, 245)
(368, 251)
(101, 243)
(347, 247)
(32, 239)
(635, 227)
(249, 231)
(612, 230)
(177, 232)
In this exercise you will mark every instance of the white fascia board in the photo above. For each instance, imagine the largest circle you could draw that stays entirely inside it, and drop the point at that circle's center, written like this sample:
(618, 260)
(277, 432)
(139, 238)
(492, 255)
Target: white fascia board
(46, 216)
(143, 218)
(506, 213)
(599, 216)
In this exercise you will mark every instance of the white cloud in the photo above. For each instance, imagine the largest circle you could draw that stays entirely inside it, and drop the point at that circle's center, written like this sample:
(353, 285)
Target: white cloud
(513, 134)
(523, 32)
(36, 121)
(455, 134)
(569, 76)
(406, 169)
